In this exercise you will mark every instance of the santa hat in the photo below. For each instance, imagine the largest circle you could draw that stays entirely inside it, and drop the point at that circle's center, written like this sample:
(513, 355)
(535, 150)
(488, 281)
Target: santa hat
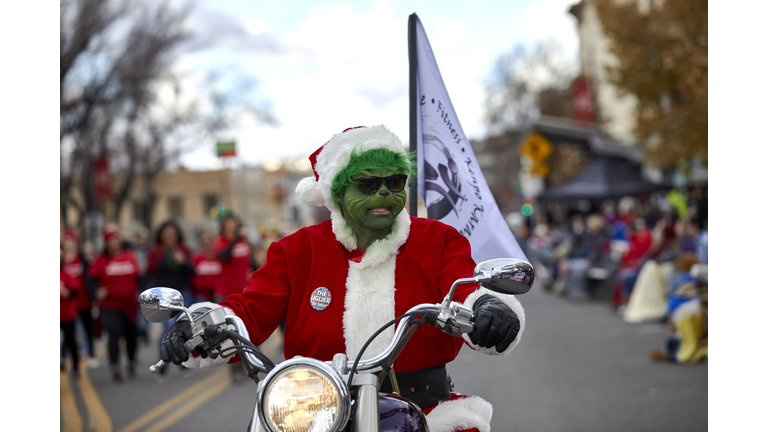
(333, 156)
(71, 234)
(110, 231)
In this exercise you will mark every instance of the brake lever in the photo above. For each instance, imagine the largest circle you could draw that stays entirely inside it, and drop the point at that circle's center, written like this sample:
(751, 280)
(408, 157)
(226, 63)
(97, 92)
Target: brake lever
(214, 317)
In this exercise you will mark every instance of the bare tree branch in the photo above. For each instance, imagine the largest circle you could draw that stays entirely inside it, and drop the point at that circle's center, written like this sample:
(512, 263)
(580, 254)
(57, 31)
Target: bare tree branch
(524, 85)
(115, 76)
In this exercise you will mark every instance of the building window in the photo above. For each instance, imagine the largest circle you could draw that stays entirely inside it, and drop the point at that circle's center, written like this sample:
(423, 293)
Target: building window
(174, 208)
(209, 202)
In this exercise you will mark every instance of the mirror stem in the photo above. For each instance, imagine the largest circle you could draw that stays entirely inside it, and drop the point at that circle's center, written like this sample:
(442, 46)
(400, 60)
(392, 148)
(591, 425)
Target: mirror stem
(449, 296)
(187, 312)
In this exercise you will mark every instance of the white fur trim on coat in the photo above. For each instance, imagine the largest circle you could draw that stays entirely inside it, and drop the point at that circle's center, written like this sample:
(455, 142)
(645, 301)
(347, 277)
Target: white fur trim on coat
(207, 363)
(342, 231)
(459, 414)
(508, 300)
(369, 302)
(335, 156)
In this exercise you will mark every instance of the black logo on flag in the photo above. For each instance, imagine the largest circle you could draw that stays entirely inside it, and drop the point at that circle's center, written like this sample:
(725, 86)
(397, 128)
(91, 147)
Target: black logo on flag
(445, 180)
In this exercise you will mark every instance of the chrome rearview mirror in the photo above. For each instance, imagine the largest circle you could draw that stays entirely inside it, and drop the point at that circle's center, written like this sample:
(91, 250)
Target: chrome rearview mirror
(161, 304)
(505, 275)
(502, 275)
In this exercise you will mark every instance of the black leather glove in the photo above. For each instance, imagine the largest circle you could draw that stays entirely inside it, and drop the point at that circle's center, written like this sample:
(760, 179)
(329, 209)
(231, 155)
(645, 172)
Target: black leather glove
(172, 348)
(495, 324)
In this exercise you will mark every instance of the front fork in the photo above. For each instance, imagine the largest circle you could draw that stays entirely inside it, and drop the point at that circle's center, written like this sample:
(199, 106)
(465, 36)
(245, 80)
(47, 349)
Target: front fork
(367, 410)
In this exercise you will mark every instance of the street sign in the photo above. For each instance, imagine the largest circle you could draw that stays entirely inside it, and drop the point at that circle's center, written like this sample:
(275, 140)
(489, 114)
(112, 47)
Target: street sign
(536, 149)
(224, 149)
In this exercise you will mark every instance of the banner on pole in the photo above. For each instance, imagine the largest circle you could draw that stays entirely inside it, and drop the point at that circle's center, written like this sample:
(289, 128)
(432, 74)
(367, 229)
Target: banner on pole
(449, 178)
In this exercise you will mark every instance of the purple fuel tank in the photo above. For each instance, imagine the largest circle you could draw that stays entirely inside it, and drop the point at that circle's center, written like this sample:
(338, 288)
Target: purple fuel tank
(398, 414)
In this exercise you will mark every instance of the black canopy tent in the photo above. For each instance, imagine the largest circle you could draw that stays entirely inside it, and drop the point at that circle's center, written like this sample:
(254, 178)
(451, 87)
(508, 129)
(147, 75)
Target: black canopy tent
(607, 177)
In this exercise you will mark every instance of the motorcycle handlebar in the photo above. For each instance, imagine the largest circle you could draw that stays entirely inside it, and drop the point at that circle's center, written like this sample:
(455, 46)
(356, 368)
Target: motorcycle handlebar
(373, 362)
(451, 318)
(432, 313)
(156, 367)
(240, 328)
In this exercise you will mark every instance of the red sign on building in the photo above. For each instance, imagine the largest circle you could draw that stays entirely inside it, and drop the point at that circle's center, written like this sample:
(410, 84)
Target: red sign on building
(102, 179)
(583, 101)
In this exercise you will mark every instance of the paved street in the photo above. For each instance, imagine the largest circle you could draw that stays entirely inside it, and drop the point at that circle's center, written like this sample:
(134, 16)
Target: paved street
(579, 367)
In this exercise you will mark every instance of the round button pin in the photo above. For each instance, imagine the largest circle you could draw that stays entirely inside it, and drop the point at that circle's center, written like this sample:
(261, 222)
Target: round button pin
(320, 298)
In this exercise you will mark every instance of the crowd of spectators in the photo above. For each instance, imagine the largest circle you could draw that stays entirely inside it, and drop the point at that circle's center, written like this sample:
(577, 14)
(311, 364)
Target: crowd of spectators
(641, 255)
(99, 289)
(638, 254)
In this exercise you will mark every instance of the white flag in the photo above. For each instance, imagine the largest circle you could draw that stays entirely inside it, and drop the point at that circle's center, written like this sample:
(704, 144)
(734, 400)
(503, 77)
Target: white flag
(449, 179)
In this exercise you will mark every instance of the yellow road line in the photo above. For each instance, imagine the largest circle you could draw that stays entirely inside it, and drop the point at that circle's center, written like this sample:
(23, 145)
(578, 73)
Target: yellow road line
(202, 386)
(191, 405)
(99, 419)
(69, 412)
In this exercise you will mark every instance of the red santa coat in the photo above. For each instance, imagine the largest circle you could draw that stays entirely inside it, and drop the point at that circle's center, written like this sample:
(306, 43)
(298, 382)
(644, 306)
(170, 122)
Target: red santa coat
(310, 259)
(416, 263)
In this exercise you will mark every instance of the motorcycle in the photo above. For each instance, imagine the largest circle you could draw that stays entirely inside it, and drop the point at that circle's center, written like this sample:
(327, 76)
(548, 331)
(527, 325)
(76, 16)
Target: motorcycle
(306, 394)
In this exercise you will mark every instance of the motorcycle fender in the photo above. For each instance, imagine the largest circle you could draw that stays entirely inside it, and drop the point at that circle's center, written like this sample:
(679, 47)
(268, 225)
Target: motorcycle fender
(398, 414)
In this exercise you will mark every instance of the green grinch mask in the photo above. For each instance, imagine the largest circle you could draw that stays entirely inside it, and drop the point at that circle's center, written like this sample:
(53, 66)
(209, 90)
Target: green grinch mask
(370, 216)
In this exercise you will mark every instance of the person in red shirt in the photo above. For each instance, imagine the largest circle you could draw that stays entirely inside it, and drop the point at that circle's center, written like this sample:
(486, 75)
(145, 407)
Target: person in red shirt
(68, 291)
(207, 270)
(117, 272)
(234, 253)
(640, 241)
(76, 265)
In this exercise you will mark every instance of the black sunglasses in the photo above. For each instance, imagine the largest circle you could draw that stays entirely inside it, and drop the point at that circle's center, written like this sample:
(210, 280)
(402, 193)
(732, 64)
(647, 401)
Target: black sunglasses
(369, 185)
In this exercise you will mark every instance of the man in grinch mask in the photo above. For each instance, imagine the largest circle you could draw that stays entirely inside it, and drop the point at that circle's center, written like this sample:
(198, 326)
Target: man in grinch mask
(337, 282)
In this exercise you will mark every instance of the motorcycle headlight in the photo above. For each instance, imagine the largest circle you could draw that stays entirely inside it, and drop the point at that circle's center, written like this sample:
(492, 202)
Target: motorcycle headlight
(304, 395)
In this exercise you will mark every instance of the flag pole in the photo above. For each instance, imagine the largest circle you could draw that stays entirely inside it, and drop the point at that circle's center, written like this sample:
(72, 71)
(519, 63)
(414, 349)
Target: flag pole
(412, 96)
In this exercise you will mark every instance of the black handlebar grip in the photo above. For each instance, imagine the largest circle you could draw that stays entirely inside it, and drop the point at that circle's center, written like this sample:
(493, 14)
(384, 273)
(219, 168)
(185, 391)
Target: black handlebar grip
(212, 331)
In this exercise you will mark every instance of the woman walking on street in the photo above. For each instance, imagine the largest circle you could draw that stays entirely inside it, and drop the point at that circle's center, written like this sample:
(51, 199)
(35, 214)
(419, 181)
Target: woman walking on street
(169, 265)
(76, 265)
(234, 253)
(117, 272)
(68, 290)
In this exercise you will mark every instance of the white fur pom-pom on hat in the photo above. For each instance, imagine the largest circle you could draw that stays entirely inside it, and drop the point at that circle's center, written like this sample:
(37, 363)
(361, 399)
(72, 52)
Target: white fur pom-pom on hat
(333, 156)
(309, 191)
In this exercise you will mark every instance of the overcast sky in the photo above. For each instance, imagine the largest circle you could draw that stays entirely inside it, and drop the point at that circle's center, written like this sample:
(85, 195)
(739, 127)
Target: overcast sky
(323, 66)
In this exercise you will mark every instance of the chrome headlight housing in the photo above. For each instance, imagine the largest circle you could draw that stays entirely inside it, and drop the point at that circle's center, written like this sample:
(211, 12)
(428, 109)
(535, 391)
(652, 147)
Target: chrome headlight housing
(303, 395)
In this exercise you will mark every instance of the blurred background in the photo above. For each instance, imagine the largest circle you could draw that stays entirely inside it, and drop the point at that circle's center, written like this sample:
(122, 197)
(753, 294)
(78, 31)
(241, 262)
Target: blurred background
(589, 119)
(170, 108)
